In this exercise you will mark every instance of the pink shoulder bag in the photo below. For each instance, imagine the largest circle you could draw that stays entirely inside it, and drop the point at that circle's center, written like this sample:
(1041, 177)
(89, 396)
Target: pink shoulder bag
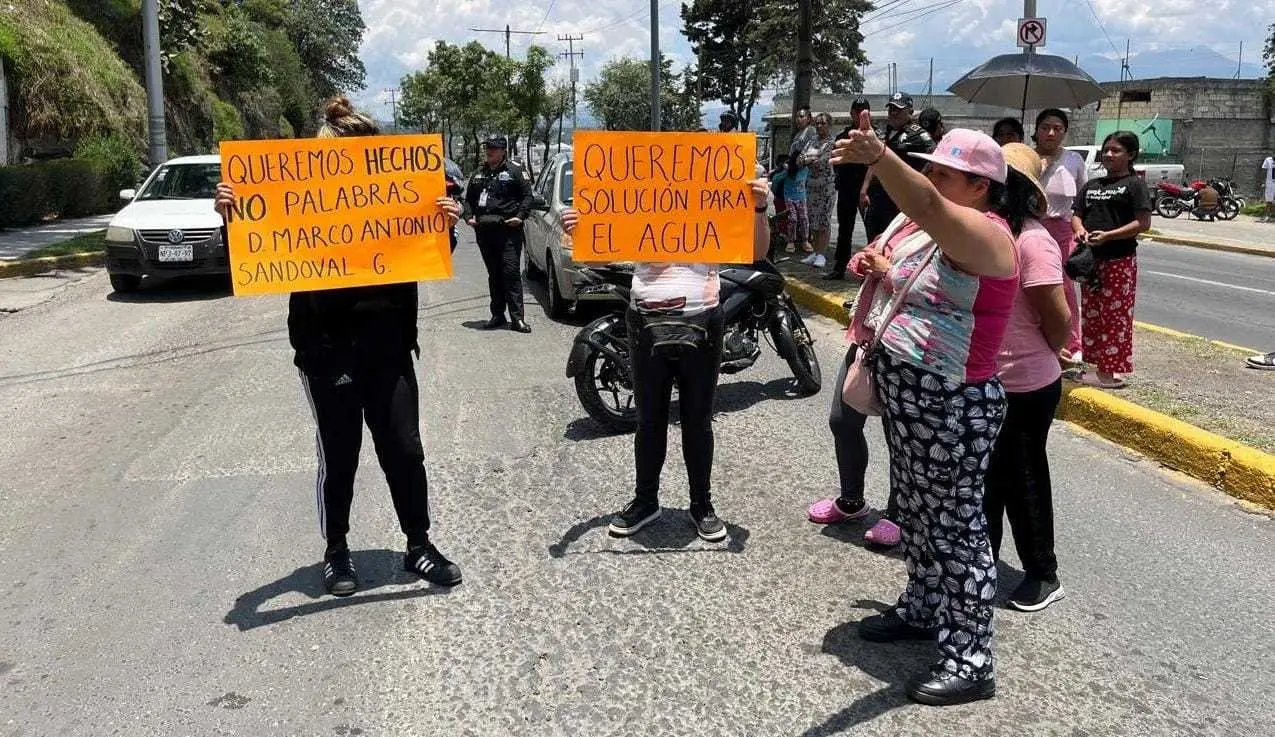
(859, 390)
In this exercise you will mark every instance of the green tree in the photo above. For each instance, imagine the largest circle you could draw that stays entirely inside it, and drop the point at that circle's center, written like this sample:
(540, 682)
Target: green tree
(620, 99)
(528, 93)
(1268, 54)
(557, 100)
(327, 34)
(745, 48)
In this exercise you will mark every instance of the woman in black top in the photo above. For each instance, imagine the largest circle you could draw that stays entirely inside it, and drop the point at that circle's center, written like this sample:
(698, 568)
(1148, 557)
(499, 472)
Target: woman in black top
(1110, 212)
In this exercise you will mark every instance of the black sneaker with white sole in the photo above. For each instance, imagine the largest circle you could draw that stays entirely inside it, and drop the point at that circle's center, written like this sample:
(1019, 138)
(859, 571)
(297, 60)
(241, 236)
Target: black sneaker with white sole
(431, 565)
(635, 516)
(707, 525)
(1032, 594)
(338, 573)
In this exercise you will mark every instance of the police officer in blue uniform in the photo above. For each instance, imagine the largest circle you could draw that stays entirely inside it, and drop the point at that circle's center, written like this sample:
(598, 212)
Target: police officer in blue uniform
(499, 198)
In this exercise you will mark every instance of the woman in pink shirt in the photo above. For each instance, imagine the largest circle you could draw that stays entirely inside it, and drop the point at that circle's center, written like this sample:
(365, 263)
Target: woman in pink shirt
(954, 270)
(1062, 178)
(1018, 485)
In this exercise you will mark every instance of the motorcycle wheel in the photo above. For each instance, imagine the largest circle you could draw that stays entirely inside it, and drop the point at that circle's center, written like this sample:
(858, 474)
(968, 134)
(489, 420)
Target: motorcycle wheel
(1229, 210)
(1168, 207)
(800, 352)
(606, 394)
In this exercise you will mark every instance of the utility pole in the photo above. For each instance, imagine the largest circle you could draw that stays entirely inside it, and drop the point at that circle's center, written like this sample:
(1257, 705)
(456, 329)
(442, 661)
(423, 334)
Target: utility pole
(804, 73)
(393, 93)
(1124, 68)
(571, 55)
(1240, 64)
(154, 83)
(655, 65)
(507, 33)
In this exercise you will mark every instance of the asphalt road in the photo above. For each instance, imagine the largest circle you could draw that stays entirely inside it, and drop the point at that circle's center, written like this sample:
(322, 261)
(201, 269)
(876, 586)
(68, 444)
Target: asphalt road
(159, 553)
(1213, 294)
(1222, 296)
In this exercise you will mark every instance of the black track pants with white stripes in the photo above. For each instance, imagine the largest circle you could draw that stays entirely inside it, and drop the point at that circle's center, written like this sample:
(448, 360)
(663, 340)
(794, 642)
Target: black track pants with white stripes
(384, 393)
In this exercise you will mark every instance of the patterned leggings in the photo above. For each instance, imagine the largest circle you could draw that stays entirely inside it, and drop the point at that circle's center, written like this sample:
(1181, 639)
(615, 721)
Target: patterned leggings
(1108, 325)
(941, 435)
(798, 222)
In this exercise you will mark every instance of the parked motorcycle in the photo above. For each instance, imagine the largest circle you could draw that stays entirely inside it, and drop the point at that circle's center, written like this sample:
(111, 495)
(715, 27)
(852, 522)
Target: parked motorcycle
(1172, 200)
(755, 308)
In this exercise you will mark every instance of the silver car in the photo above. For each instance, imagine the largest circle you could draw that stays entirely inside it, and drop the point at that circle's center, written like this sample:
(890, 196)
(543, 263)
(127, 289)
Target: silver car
(548, 249)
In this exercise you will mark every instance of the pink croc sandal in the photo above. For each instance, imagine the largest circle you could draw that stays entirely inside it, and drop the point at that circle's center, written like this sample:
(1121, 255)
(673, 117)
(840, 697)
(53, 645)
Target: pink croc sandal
(826, 512)
(884, 532)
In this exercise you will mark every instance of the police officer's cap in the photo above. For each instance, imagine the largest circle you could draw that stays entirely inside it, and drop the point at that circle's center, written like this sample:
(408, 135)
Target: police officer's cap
(900, 100)
(497, 142)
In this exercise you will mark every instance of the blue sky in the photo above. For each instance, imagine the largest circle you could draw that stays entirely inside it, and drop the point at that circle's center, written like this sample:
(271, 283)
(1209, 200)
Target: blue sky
(1167, 37)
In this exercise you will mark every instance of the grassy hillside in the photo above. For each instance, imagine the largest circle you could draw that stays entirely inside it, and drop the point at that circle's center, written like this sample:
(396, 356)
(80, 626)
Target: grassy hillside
(66, 80)
(232, 69)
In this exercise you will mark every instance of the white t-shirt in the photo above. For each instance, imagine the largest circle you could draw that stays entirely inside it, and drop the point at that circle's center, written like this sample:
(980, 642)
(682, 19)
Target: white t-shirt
(1062, 181)
(1269, 166)
(686, 289)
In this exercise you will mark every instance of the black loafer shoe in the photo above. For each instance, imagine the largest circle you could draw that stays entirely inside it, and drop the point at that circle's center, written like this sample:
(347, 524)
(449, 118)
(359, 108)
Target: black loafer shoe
(521, 326)
(940, 688)
(889, 627)
(495, 323)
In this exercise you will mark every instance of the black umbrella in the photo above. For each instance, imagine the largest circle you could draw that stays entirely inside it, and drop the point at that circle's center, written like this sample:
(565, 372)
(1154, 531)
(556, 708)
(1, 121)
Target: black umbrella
(1028, 80)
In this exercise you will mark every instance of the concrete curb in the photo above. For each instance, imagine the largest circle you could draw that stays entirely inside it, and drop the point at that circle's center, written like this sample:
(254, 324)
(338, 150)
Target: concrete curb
(1209, 245)
(1240, 471)
(32, 267)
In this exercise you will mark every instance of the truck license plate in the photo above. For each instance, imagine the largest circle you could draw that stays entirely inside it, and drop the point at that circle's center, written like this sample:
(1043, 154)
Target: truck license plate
(176, 253)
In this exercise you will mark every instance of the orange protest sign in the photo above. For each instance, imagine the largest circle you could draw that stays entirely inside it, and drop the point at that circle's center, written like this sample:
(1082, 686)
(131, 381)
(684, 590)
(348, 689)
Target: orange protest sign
(325, 213)
(663, 197)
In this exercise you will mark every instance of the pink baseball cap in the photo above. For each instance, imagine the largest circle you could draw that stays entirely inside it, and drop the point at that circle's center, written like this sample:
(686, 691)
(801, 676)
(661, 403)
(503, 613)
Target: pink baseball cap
(971, 152)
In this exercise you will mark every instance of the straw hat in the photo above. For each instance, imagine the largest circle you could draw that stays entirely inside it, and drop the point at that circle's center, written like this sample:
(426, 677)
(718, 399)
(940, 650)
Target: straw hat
(1022, 159)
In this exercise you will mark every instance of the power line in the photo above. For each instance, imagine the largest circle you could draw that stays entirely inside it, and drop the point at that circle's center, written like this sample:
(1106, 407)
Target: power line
(507, 33)
(622, 21)
(1098, 20)
(916, 14)
(548, 10)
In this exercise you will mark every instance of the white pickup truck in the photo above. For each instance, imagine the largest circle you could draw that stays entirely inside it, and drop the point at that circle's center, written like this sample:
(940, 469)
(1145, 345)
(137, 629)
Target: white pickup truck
(1152, 173)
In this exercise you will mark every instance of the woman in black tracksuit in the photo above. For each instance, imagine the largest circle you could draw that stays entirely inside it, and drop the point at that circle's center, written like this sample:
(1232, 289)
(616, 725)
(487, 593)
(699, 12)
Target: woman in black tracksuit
(353, 348)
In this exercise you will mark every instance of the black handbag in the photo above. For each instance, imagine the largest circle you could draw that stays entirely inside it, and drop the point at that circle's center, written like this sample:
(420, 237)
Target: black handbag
(1082, 265)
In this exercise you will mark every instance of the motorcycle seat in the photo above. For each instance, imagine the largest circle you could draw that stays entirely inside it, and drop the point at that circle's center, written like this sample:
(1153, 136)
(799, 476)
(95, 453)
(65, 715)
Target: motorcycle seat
(765, 282)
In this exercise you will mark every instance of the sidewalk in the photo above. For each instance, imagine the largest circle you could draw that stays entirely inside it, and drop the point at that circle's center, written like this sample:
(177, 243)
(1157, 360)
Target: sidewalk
(1244, 234)
(1190, 405)
(15, 243)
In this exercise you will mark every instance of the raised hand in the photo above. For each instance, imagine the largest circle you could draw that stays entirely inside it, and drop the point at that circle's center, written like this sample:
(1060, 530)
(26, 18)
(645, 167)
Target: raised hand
(861, 145)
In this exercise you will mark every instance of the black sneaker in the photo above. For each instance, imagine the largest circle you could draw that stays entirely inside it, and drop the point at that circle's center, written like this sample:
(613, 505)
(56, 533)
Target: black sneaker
(940, 688)
(1032, 594)
(890, 627)
(635, 516)
(707, 524)
(338, 573)
(431, 565)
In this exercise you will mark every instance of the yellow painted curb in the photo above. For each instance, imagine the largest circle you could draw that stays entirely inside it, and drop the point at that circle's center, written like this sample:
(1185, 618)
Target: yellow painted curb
(1235, 468)
(31, 267)
(1179, 334)
(1210, 245)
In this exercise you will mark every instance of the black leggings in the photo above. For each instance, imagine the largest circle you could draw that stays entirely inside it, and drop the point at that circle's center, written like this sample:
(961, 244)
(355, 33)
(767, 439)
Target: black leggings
(846, 424)
(696, 374)
(1018, 485)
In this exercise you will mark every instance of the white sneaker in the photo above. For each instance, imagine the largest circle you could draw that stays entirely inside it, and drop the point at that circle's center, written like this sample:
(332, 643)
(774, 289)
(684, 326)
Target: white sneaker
(808, 260)
(820, 261)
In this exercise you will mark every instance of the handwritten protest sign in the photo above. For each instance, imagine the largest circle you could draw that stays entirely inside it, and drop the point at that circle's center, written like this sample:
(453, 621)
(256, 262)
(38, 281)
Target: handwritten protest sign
(663, 197)
(325, 213)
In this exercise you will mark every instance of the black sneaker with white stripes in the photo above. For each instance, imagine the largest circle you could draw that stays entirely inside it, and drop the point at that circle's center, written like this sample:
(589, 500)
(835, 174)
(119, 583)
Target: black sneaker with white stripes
(707, 525)
(338, 573)
(637, 514)
(431, 565)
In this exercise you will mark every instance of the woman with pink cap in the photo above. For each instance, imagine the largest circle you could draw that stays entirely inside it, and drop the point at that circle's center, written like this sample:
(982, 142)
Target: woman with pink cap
(954, 274)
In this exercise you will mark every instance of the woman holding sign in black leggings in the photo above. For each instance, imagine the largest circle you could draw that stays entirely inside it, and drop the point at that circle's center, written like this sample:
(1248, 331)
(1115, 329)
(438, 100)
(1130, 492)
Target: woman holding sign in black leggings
(675, 332)
(354, 351)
